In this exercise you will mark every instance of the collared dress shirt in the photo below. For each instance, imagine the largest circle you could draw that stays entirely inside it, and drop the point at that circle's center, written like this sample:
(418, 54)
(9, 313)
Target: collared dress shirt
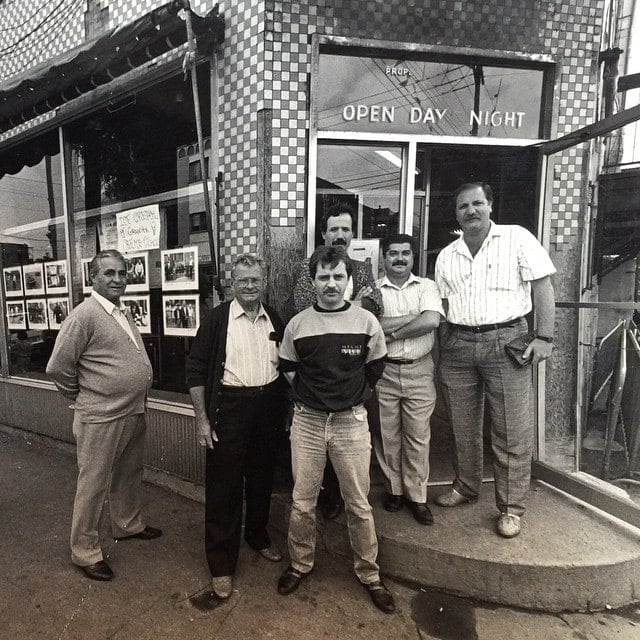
(119, 313)
(252, 354)
(415, 296)
(494, 285)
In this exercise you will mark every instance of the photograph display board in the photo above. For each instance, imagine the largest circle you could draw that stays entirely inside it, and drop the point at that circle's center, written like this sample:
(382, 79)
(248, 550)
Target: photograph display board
(137, 272)
(12, 277)
(33, 279)
(15, 315)
(37, 316)
(58, 309)
(56, 277)
(181, 314)
(139, 309)
(180, 269)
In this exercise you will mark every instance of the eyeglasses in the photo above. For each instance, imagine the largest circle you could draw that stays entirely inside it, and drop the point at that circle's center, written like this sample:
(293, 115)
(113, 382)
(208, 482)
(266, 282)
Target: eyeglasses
(243, 283)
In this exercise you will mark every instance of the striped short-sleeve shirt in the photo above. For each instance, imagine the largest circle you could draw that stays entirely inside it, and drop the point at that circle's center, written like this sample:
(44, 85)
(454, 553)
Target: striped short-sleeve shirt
(494, 285)
(414, 297)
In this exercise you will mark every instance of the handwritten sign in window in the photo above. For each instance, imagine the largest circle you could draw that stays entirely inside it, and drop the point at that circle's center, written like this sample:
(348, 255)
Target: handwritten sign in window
(139, 229)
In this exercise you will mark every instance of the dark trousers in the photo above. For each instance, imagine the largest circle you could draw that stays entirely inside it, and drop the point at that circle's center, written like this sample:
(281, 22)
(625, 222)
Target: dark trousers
(242, 461)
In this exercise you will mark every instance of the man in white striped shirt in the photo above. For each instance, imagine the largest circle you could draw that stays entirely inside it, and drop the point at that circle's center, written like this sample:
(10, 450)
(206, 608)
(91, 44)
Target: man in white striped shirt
(406, 391)
(487, 277)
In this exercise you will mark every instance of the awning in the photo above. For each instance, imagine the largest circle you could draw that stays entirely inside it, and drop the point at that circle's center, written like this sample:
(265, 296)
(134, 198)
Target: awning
(97, 62)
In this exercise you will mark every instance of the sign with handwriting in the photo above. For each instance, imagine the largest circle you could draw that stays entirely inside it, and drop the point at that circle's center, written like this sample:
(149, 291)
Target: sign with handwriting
(139, 229)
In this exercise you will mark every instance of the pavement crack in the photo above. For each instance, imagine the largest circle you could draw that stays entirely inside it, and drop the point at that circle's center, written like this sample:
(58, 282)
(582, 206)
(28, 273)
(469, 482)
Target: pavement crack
(73, 614)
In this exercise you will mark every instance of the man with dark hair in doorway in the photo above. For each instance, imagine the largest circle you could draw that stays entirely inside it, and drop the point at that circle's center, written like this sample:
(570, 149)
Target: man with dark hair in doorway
(100, 363)
(332, 354)
(486, 278)
(336, 226)
(240, 403)
(406, 390)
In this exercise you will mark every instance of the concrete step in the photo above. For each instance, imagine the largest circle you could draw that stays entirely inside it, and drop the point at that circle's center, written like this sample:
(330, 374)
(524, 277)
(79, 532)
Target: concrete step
(567, 558)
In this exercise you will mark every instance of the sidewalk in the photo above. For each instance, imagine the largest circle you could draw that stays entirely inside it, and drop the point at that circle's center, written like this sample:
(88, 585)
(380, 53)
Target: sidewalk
(161, 587)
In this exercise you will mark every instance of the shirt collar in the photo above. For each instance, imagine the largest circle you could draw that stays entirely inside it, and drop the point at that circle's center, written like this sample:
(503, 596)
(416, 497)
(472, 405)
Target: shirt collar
(107, 304)
(410, 280)
(494, 230)
(236, 310)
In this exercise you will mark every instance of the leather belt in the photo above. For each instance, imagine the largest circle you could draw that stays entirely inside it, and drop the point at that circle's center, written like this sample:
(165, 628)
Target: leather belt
(248, 391)
(400, 360)
(483, 328)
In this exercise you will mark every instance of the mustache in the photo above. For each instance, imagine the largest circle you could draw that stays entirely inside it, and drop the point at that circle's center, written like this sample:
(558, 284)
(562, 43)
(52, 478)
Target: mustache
(401, 263)
(339, 242)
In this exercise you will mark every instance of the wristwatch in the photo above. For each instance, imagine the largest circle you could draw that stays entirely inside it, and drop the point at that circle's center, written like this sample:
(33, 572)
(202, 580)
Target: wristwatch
(544, 338)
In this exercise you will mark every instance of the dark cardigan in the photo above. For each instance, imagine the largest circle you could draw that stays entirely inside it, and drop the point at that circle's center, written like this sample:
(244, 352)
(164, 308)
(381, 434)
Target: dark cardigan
(205, 364)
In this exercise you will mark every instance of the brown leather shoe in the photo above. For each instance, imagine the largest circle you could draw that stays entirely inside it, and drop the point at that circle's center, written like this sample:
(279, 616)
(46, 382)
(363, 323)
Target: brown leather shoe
(421, 512)
(380, 596)
(290, 580)
(98, 571)
(148, 533)
(393, 502)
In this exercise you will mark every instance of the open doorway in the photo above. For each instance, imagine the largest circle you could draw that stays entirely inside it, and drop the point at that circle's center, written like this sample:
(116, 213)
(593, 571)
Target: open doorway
(512, 173)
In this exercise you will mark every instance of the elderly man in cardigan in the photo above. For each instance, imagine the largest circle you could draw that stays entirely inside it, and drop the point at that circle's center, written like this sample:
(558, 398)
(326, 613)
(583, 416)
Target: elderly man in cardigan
(240, 403)
(99, 363)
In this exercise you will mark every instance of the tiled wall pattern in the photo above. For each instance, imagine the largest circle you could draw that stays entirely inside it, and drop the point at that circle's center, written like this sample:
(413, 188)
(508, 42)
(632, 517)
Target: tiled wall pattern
(266, 62)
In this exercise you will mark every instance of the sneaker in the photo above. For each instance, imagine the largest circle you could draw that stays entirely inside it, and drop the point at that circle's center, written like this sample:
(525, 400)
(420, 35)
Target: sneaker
(453, 498)
(508, 525)
(271, 553)
(222, 586)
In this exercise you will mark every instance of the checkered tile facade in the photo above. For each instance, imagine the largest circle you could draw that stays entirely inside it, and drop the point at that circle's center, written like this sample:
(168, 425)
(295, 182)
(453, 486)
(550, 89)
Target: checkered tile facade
(266, 65)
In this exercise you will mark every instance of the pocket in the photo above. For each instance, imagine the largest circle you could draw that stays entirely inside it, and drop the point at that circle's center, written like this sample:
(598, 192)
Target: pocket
(359, 413)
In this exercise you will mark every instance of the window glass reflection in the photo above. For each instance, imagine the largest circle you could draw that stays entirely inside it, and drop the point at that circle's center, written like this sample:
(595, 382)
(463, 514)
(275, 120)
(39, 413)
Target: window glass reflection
(34, 266)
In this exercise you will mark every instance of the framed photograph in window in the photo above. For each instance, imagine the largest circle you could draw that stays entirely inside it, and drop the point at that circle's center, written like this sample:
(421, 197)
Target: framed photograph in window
(139, 309)
(33, 279)
(58, 309)
(12, 277)
(180, 269)
(15, 315)
(37, 316)
(137, 272)
(87, 286)
(181, 314)
(56, 277)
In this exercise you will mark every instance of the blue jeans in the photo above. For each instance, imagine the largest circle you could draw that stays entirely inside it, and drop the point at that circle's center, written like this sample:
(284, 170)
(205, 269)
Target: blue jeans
(344, 437)
(474, 366)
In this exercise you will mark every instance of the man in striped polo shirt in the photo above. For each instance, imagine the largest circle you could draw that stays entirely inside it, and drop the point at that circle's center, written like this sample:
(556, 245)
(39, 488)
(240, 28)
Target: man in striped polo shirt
(486, 278)
(332, 354)
(406, 391)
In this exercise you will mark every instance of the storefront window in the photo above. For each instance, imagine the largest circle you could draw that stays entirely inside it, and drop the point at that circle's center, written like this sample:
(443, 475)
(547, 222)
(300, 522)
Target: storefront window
(35, 276)
(132, 173)
(465, 97)
(368, 178)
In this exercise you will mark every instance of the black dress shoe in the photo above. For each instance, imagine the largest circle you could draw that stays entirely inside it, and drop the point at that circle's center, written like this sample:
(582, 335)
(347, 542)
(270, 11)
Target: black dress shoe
(331, 510)
(421, 512)
(290, 580)
(98, 571)
(393, 502)
(148, 533)
(380, 596)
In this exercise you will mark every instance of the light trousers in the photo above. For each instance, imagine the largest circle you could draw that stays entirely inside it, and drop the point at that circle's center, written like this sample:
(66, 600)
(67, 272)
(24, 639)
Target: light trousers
(407, 397)
(110, 461)
(344, 437)
(474, 366)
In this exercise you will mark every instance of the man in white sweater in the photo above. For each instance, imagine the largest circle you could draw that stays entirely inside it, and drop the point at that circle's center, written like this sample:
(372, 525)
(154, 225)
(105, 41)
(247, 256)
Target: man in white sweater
(99, 362)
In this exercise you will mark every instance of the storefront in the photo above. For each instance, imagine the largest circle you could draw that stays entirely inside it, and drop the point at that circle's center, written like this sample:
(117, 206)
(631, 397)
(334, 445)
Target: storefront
(388, 106)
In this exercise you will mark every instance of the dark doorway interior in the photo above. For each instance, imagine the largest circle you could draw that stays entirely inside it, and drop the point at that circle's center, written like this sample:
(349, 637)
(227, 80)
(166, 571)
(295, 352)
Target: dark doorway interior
(511, 173)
